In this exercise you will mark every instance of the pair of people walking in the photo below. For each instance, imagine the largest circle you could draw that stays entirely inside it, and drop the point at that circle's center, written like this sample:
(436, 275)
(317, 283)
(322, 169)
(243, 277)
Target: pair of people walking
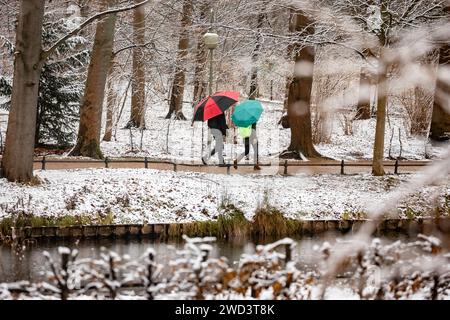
(218, 128)
(245, 116)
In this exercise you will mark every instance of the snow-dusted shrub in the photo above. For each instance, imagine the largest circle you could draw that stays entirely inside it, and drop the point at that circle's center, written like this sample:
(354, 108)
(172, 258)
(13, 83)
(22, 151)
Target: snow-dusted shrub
(414, 270)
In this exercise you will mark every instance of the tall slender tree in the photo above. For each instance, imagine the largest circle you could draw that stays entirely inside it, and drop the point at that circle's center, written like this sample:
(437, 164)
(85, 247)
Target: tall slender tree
(440, 120)
(176, 98)
(200, 84)
(88, 141)
(363, 108)
(365, 76)
(289, 57)
(380, 128)
(111, 99)
(382, 91)
(254, 90)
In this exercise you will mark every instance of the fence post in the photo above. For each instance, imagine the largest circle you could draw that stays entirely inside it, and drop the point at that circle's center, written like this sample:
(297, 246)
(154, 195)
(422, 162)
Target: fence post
(106, 162)
(288, 256)
(396, 167)
(228, 168)
(1, 142)
(342, 166)
(285, 167)
(175, 166)
(271, 90)
(146, 162)
(43, 162)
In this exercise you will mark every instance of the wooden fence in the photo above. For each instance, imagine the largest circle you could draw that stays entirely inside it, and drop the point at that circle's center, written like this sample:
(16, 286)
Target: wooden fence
(146, 162)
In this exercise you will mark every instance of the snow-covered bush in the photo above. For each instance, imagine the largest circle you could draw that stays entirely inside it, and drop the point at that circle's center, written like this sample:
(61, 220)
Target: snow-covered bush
(413, 270)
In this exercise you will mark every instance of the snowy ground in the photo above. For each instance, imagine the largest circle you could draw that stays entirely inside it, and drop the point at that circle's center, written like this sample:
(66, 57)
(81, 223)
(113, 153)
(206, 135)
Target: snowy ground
(140, 195)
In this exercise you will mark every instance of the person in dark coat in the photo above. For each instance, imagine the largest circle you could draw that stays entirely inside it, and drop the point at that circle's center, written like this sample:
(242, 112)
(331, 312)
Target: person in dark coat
(219, 122)
(218, 127)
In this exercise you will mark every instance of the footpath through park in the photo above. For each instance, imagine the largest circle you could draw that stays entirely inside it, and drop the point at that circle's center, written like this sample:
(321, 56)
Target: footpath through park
(278, 166)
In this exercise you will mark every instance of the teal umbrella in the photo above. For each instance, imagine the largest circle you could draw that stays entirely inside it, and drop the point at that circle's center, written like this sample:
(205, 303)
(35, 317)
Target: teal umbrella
(247, 113)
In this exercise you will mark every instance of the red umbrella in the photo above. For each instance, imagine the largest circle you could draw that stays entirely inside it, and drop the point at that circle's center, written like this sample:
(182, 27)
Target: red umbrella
(215, 105)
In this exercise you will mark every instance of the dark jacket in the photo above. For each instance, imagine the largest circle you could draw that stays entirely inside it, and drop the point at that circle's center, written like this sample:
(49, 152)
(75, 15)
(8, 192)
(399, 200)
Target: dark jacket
(219, 122)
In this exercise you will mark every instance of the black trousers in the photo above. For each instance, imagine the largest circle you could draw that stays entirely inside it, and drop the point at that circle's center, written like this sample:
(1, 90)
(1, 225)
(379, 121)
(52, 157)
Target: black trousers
(247, 145)
(247, 148)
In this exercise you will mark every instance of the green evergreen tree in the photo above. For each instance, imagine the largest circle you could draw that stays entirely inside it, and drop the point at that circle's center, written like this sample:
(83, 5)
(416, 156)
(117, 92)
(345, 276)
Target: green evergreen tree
(60, 87)
(5, 81)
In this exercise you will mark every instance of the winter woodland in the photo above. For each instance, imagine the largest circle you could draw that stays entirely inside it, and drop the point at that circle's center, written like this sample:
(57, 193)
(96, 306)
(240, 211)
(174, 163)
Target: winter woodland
(362, 83)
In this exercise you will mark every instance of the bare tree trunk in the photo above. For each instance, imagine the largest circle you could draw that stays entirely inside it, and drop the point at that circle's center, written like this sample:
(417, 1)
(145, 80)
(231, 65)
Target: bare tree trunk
(289, 57)
(378, 149)
(17, 162)
(176, 99)
(440, 119)
(88, 142)
(382, 94)
(137, 118)
(200, 57)
(299, 99)
(286, 95)
(111, 99)
(254, 90)
(363, 108)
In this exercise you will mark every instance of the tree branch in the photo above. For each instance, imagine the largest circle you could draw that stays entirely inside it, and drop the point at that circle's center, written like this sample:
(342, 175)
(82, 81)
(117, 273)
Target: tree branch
(47, 53)
(144, 45)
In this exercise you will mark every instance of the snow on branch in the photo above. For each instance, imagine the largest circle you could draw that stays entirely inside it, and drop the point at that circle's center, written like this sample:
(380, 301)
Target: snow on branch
(46, 53)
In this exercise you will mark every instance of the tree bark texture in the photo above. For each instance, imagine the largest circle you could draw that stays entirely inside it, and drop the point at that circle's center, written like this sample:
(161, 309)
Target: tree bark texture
(299, 98)
(88, 142)
(254, 90)
(289, 56)
(200, 83)
(17, 162)
(440, 119)
(137, 118)
(176, 98)
(382, 93)
(382, 96)
(363, 108)
(111, 100)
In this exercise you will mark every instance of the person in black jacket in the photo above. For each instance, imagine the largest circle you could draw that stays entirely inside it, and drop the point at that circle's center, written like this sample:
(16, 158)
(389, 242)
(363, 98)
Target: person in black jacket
(218, 127)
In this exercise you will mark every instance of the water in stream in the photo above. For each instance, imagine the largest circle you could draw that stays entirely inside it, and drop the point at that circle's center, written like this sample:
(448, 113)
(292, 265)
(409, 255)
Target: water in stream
(30, 263)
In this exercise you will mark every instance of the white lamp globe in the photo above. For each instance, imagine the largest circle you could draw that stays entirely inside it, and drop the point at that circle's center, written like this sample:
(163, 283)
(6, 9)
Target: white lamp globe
(211, 40)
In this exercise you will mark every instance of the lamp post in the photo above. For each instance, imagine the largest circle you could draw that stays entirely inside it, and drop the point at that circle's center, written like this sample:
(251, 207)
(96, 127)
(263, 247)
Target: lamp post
(211, 41)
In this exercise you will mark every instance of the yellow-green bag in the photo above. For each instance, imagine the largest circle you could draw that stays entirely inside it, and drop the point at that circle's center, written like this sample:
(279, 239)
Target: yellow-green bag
(245, 132)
